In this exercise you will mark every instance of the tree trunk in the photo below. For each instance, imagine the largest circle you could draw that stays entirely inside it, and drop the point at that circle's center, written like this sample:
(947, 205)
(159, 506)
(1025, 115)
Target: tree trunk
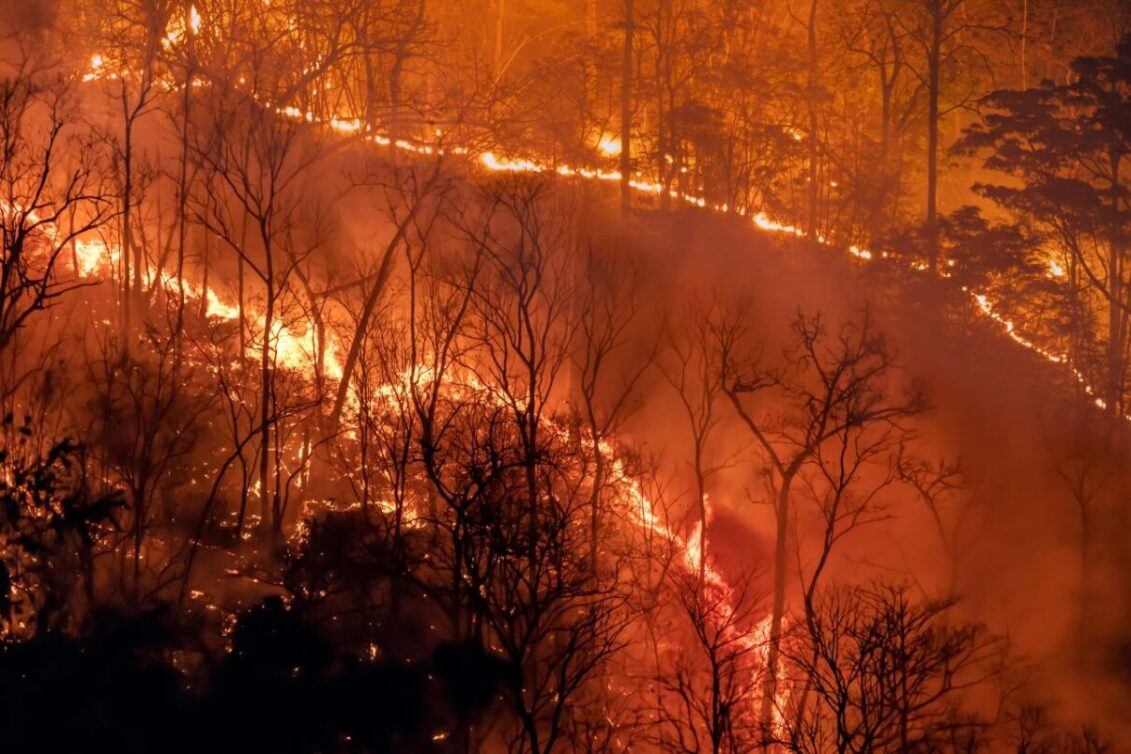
(1116, 316)
(1024, 44)
(701, 492)
(204, 265)
(127, 232)
(626, 107)
(265, 396)
(595, 501)
(383, 272)
(811, 224)
(665, 159)
(777, 616)
(934, 61)
(497, 48)
(182, 220)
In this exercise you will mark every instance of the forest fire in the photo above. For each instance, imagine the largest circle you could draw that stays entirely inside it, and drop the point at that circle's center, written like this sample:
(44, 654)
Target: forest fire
(606, 145)
(623, 375)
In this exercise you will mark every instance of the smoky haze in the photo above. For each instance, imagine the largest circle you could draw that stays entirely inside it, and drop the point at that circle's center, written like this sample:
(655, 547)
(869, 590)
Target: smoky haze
(674, 376)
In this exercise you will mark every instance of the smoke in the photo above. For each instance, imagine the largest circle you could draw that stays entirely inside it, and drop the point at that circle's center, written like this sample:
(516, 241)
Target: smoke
(1026, 556)
(28, 16)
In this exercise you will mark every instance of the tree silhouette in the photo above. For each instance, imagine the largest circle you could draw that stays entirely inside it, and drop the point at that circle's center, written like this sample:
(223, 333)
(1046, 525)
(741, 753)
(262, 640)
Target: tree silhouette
(1070, 144)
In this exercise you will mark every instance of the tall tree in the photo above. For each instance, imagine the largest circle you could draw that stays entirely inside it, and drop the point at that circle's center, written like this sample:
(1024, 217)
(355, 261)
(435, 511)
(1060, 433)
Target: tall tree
(836, 387)
(628, 66)
(947, 34)
(1070, 144)
(52, 193)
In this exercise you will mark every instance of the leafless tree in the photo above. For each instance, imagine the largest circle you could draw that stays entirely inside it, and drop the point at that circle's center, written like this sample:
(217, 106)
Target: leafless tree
(837, 392)
(1082, 458)
(888, 672)
(132, 34)
(939, 485)
(709, 697)
(51, 194)
(147, 417)
(946, 34)
(253, 165)
(413, 199)
(521, 324)
(693, 369)
(608, 324)
(1036, 733)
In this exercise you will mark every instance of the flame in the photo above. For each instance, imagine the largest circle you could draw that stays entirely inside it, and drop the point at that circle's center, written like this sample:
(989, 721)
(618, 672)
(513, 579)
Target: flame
(773, 226)
(298, 351)
(95, 70)
(92, 256)
(609, 145)
(493, 163)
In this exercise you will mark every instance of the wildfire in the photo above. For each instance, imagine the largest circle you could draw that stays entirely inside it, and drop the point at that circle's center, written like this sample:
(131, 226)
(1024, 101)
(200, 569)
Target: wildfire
(609, 145)
(296, 348)
(91, 256)
(606, 144)
(95, 70)
(298, 351)
(696, 561)
(493, 163)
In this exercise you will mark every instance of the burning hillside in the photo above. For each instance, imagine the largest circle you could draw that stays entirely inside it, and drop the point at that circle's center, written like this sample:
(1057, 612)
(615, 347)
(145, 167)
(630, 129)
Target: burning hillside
(673, 376)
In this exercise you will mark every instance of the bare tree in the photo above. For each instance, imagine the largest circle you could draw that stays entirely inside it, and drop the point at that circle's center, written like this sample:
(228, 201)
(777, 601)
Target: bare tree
(1082, 459)
(609, 308)
(554, 625)
(834, 388)
(253, 165)
(133, 33)
(888, 672)
(693, 369)
(939, 485)
(709, 694)
(413, 199)
(50, 195)
(522, 310)
(147, 419)
(871, 32)
(1037, 733)
(945, 33)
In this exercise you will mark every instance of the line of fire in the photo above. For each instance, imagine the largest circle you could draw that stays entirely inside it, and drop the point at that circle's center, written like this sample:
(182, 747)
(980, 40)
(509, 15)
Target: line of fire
(565, 376)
